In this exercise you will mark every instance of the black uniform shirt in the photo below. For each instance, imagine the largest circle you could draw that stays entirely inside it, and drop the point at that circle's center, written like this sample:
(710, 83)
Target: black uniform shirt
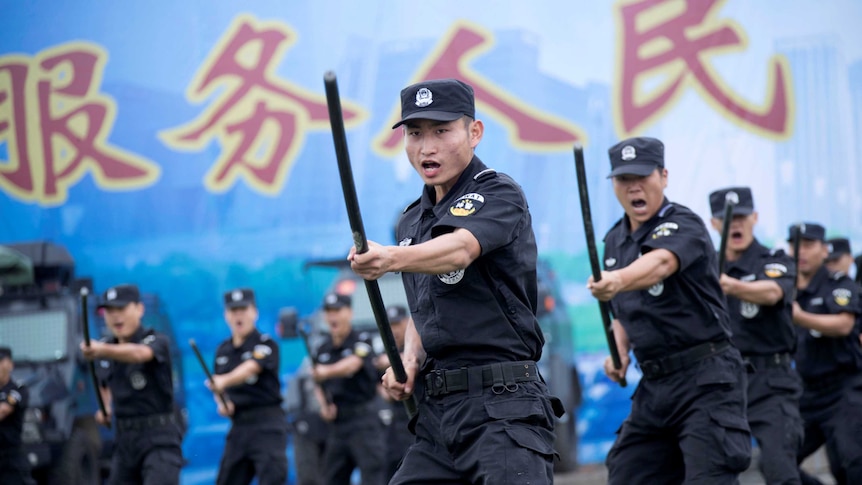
(140, 389)
(763, 330)
(262, 389)
(14, 394)
(486, 312)
(684, 310)
(360, 387)
(817, 355)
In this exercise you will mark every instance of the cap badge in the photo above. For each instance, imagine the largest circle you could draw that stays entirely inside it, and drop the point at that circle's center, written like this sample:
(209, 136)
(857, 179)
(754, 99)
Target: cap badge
(628, 153)
(111, 294)
(424, 97)
(236, 295)
(732, 197)
(331, 299)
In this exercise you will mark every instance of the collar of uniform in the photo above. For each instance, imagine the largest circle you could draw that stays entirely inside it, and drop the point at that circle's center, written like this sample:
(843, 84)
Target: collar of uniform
(752, 253)
(821, 276)
(252, 338)
(136, 337)
(475, 166)
(648, 225)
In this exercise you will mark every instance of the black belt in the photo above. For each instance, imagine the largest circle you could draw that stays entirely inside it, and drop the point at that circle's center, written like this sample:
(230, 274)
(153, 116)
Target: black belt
(350, 411)
(145, 422)
(653, 369)
(779, 359)
(257, 415)
(500, 377)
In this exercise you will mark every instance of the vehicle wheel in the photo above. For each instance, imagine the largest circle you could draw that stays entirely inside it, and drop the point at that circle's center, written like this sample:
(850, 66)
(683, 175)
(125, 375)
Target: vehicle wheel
(79, 461)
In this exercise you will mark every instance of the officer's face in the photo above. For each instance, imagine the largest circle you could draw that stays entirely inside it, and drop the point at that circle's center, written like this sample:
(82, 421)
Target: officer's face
(812, 254)
(339, 323)
(741, 232)
(5, 370)
(841, 263)
(241, 320)
(124, 321)
(641, 197)
(440, 151)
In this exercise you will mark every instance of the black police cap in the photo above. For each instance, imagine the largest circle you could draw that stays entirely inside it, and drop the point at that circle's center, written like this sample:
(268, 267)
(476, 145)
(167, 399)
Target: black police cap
(438, 100)
(838, 247)
(396, 313)
(741, 196)
(5, 353)
(808, 230)
(239, 297)
(335, 301)
(636, 156)
(120, 296)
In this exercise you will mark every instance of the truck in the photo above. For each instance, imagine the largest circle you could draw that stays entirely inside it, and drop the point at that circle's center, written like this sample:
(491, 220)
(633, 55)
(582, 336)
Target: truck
(40, 319)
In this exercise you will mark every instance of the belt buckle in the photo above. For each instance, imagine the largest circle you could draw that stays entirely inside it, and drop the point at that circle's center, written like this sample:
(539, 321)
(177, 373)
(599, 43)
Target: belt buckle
(438, 382)
(651, 368)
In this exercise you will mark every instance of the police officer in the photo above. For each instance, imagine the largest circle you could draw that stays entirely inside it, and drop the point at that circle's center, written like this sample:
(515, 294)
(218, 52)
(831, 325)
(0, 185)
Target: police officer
(346, 373)
(306, 426)
(136, 383)
(14, 469)
(828, 358)
(759, 284)
(467, 254)
(398, 436)
(688, 420)
(839, 259)
(246, 370)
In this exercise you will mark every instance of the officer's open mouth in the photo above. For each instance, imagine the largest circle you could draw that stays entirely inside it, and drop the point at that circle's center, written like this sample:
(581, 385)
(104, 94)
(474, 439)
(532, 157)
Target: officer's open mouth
(638, 203)
(430, 166)
(736, 235)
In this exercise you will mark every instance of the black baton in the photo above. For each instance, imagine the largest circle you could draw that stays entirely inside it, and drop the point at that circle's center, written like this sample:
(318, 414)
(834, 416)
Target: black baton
(203, 364)
(85, 321)
(336, 119)
(730, 201)
(604, 309)
(800, 228)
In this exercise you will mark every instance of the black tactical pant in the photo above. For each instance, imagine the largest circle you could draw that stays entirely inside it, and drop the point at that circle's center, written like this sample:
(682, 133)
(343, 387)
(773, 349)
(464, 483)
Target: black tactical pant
(147, 456)
(355, 441)
(689, 426)
(832, 411)
(255, 449)
(773, 414)
(482, 437)
(14, 469)
(398, 438)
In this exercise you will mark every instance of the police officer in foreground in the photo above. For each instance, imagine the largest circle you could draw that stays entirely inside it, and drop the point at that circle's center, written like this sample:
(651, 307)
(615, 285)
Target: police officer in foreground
(246, 370)
(688, 420)
(467, 255)
(828, 358)
(136, 383)
(14, 469)
(398, 436)
(759, 284)
(839, 259)
(346, 373)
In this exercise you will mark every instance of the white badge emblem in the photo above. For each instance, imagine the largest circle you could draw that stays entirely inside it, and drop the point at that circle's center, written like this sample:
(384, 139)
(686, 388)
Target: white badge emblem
(452, 277)
(138, 381)
(731, 197)
(424, 97)
(236, 295)
(815, 333)
(656, 289)
(221, 360)
(406, 241)
(748, 309)
(610, 262)
(111, 294)
(250, 380)
(628, 153)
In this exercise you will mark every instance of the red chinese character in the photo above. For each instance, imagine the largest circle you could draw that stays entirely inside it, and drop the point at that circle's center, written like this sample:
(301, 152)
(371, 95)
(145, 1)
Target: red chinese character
(653, 40)
(244, 66)
(527, 126)
(73, 120)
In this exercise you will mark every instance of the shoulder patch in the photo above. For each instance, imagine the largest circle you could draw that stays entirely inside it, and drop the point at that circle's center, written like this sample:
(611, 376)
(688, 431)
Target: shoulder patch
(13, 397)
(261, 351)
(841, 296)
(775, 270)
(361, 349)
(664, 229)
(467, 205)
(485, 174)
(148, 339)
(838, 275)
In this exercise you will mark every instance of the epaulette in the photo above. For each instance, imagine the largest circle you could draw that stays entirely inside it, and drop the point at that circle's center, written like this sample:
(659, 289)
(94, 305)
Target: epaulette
(412, 205)
(664, 210)
(838, 275)
(265, 337)
(485, 174)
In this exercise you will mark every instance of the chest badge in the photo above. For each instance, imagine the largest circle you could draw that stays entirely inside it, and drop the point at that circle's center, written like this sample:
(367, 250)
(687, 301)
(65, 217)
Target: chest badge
(656, 289)
(610, 262)
(452, 277)
(748, 309)
(406, 241)
(137, 380)
(467, 205)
